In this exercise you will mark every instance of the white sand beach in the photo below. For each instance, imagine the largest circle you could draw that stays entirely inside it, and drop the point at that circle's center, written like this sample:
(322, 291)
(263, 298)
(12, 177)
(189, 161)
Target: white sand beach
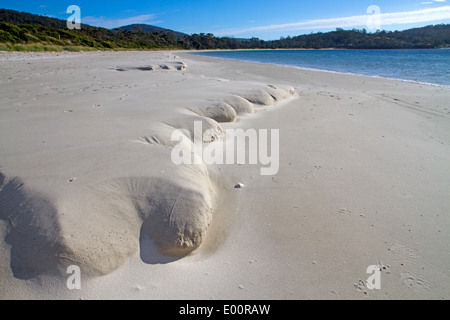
(87, 179)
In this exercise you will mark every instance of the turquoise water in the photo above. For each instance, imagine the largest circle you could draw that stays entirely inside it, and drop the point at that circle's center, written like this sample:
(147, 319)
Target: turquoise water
(418, 65)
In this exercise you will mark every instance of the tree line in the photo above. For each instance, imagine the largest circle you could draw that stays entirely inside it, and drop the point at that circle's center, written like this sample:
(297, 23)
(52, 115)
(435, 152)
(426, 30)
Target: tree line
(25, 28)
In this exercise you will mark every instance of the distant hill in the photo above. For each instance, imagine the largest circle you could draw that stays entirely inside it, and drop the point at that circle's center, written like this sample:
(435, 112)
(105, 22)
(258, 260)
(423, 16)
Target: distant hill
(30, 32)
(26, 31)
(428, 37)
(16, 17)
(151, 29)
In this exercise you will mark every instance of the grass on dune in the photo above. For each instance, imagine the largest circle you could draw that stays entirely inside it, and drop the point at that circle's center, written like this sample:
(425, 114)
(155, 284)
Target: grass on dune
(39, 47)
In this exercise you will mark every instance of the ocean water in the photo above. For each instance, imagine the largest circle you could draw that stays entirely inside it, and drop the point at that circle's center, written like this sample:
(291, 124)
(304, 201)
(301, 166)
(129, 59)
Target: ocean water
(418, 65)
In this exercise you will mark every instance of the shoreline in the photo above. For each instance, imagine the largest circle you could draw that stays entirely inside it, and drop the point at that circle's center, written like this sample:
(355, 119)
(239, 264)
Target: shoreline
(326, 70)
(42, 55)
(342, 73)
(362, 180)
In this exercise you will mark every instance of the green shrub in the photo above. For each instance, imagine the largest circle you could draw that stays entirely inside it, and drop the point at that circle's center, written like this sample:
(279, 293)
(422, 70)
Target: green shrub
(108, 45)
(6, 37)
(5, 47)
(36, 47)
(71, 49)
(14, 31)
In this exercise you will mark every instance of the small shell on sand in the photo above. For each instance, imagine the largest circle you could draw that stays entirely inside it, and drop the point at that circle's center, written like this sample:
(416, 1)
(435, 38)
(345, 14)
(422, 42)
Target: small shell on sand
(239, 186)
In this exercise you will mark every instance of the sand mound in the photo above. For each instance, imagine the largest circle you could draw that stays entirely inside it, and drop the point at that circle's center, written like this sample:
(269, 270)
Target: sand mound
(269, 94)
(47, 235)
(33, 231)
(177, 216)
(258, 96)
(162, 135)
(279, 93)
(147, 68)
(239, 104)
(219, 111)
(170, 66)
(98, 223)
(211, 130)
(180, 66)
(166, 67)
(288, 89)
(99, 227)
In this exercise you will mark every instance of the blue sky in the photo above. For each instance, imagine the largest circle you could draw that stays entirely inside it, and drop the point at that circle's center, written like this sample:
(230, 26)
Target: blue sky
(246, 18)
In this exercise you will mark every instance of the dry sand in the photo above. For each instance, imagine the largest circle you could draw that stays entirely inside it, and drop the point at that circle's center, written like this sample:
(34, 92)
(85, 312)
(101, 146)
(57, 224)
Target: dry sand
(86, 179)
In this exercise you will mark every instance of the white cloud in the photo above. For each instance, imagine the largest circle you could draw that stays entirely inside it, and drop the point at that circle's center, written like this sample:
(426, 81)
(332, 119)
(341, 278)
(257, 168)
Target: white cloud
(433, 1)
(397, 18)
(115, 23)
(425, 15)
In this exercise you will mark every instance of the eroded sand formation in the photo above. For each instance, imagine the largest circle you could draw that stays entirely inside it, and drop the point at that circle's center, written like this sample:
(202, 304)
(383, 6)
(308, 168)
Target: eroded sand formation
(97, 226)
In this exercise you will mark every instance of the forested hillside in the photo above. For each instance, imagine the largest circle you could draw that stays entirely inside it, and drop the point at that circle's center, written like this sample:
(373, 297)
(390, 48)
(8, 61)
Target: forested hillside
(25, 31)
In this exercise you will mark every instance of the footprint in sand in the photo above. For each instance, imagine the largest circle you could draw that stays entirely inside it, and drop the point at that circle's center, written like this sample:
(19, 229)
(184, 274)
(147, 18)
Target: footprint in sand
(411, 278)
(415, 282)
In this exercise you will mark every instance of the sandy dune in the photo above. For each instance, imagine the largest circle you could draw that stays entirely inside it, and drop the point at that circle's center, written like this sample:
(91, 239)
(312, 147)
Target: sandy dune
(86, 179)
